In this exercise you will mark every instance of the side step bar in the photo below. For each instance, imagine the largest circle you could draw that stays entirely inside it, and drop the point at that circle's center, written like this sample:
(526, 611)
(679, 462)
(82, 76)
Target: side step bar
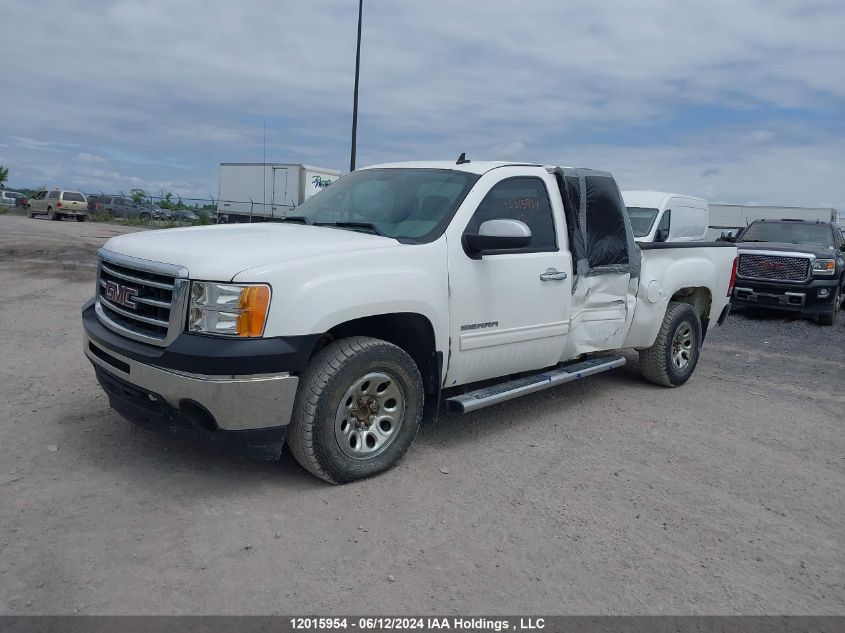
(486, 396)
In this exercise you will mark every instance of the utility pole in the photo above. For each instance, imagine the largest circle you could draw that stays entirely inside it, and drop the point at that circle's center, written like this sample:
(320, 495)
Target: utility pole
(355, 97)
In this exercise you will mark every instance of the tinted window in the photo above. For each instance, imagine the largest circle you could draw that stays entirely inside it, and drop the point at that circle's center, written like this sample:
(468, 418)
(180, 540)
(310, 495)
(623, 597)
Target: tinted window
(73, 196)
(523, 199)
(53, 195)
(789, 233)
(642, 219)
(607, 242)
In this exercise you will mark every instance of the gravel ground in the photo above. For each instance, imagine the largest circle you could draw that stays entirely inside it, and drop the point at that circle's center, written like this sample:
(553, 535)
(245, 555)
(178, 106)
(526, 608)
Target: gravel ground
(606, 496)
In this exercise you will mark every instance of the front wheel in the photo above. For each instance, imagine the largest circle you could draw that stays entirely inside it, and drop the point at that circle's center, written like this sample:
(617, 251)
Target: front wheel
(672, 358)
(145, 217)
(357, 410)
(830, 319)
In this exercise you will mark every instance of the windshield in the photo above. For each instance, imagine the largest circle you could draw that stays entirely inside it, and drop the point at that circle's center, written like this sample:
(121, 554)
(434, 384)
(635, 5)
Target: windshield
(642, 219)
(789, 233)
(406, 204)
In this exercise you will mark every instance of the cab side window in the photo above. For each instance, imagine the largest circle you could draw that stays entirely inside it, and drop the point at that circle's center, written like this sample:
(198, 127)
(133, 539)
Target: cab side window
(662, 234)
(525, 199)
(53, 195)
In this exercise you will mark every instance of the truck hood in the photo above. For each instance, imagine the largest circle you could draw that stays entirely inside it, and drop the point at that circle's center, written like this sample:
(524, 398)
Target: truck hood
(220, 252)
(817, 251)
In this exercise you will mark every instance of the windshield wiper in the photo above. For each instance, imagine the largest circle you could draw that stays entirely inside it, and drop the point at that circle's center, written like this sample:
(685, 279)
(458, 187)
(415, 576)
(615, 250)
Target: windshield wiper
(366, 226)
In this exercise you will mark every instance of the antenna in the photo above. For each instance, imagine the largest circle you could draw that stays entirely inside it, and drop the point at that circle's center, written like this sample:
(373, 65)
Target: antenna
(462, 159)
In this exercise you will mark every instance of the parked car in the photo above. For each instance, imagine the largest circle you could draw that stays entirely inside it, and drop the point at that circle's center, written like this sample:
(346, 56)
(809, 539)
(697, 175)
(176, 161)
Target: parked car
(58, 203)
(95, 203)
(121, 207)
(794, 265)
(335, 329)
(658, 216)
(184, 215)
(157, 213)
(13, 198)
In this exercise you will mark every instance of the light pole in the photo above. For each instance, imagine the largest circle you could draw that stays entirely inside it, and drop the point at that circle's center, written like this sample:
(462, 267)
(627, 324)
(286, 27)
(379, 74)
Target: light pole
(355, 97)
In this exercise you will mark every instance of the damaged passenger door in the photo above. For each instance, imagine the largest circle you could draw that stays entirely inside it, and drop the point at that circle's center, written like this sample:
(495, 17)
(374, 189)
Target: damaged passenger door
(606, 261)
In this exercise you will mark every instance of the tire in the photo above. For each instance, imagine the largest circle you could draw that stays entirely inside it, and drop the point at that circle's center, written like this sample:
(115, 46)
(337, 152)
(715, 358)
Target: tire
(354, 371)
(145, 217)
(80, 218)
(830, 319)
(52, 215)
(29, 211)
(658, 362)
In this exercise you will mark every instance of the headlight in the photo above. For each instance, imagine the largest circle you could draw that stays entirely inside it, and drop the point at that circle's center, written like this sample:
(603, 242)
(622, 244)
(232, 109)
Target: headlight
(824, 266)
(228, 309)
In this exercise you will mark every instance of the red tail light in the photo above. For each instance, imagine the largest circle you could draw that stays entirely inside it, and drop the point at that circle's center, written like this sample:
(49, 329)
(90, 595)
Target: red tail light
(733, 276)
(58, 205)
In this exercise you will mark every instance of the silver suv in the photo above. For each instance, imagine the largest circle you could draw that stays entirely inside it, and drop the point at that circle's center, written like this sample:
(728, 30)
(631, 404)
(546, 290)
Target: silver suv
(57, 204)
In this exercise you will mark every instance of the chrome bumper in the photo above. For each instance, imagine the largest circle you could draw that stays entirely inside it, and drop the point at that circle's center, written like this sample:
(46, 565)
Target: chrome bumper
(237, 403)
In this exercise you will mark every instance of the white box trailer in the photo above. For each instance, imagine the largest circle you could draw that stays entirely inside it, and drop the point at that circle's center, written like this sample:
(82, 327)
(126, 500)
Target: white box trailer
(728, 219)
(263, 191)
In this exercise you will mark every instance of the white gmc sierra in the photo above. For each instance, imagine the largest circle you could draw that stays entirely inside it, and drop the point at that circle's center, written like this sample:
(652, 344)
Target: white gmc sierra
(393, 289)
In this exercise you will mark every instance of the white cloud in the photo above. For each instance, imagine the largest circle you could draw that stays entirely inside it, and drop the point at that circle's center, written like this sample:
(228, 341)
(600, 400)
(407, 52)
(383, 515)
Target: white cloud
(89, 158)
(174, 88)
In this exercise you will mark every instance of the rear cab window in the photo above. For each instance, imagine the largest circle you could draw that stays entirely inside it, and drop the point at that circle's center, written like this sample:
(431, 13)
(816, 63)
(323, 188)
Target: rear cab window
(73, 196)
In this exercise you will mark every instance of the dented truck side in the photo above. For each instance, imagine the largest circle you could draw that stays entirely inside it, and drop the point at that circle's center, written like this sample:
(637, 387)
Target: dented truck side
(395, 290)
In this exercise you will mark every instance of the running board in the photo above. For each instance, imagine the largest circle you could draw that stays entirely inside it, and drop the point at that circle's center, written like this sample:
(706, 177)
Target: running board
(486, 396)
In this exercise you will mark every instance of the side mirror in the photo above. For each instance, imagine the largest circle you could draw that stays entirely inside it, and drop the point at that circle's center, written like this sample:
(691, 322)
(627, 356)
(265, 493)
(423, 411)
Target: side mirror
(497, 235)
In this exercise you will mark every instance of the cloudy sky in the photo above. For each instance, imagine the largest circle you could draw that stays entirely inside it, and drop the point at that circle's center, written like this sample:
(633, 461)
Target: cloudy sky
(738, 101)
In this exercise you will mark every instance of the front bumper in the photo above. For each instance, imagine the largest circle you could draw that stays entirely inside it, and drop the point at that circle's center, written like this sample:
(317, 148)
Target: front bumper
(815, 297)
(211, 389)
(232, 403)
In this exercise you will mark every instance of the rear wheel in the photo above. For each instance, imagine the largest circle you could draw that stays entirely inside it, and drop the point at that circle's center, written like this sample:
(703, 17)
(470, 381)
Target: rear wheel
(80, 218)
(29, 211)
(145, 217)
(357, 410)
(52, 215)
(674, 355)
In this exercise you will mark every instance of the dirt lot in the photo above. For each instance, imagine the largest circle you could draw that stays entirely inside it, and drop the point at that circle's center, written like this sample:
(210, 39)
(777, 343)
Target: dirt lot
(605, 496)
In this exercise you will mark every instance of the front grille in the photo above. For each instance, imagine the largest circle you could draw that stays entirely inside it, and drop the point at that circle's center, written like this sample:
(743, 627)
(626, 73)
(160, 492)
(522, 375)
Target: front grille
(138, 303)
(782, 268)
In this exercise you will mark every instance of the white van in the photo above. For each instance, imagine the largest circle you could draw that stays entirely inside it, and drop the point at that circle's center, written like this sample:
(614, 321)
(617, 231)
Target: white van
(658, 216)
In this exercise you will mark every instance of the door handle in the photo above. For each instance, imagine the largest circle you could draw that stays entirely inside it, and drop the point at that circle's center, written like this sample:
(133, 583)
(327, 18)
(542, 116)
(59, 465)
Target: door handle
(552, 275)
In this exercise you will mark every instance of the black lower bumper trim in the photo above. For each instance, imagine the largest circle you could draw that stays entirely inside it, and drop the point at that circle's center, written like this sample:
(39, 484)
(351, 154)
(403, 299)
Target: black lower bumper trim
(150, 411)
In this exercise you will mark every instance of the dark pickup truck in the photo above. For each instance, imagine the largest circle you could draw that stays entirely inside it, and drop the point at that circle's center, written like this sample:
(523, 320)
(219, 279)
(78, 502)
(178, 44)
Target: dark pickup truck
(793, 265)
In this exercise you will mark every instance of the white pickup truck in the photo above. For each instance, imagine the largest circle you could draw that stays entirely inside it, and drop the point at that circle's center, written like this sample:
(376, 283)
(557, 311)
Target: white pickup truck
(393, 290)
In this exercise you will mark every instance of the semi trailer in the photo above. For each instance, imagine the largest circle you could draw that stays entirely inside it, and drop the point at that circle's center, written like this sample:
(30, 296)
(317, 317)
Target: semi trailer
(257, 192)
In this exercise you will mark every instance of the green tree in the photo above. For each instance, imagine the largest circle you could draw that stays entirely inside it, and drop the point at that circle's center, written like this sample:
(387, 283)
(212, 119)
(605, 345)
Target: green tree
(166, 199)
(139, 196)
(4, 175)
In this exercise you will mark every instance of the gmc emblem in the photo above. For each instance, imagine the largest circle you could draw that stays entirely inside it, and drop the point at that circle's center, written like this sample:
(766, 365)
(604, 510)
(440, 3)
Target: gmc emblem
(774, 266)
(121, 295)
